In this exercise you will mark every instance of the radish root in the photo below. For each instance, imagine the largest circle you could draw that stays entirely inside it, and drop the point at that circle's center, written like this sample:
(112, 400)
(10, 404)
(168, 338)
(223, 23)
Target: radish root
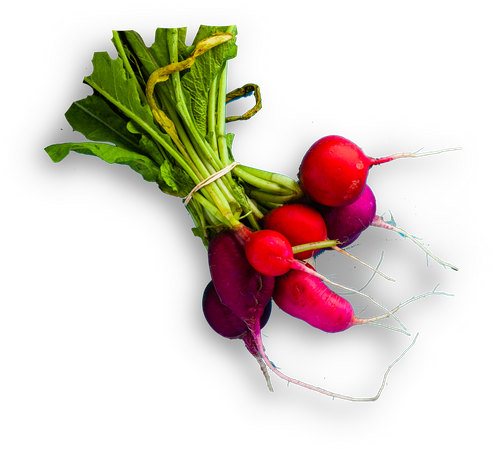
(322, 390)
(342, 251)
(380, 223)
(400, 306)
(418, 153)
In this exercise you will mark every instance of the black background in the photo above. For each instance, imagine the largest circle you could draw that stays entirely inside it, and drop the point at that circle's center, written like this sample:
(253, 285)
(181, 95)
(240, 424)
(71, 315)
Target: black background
(124, 325)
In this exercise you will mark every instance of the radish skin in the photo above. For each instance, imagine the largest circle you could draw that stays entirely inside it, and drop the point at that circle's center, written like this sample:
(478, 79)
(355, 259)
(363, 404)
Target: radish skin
(334, 170)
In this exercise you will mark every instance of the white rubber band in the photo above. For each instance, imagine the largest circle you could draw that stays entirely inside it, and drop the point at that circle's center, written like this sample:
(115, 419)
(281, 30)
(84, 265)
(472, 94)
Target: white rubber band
(209, 180)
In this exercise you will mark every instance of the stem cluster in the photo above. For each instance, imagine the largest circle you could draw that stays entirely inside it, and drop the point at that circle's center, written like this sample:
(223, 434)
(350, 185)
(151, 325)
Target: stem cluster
(242, 195)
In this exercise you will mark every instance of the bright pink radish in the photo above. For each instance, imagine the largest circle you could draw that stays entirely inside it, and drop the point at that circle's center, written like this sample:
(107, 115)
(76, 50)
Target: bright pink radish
(346, 223)
(299, 223)
(334, 170)
(308, 298)
(224, 322)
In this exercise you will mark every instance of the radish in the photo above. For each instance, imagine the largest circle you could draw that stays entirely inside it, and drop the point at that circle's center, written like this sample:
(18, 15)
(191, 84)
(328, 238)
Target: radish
(307, 298)
(243, 289)
(334, 170)
(300, 224)
(346, 223)
(224, 322)
(270, 253)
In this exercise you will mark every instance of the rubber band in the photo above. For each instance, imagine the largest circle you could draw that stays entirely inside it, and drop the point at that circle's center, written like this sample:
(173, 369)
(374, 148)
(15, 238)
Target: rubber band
(209, 180)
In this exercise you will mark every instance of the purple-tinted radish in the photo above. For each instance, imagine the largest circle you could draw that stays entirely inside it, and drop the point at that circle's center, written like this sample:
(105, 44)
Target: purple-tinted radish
(243, 289)
(225, 323)
(346, 223)
(222, 320)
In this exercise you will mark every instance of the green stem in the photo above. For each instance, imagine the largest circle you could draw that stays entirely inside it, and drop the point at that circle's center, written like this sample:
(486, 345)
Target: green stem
(314, 245)
(212, 114)
(220, 127)
(260, 182)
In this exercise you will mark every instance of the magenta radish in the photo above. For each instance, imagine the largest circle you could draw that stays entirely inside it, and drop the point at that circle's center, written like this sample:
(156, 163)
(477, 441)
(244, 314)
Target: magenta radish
(346, 223)
(299, 223)
(334, 170)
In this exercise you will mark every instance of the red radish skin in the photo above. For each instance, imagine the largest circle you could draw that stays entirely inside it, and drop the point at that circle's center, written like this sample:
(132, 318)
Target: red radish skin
(299, 223)
(334, 170)
(270, 253)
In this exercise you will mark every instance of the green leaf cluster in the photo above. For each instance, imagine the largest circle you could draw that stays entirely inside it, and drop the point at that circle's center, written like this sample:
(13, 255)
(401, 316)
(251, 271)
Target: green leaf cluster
(173, 134)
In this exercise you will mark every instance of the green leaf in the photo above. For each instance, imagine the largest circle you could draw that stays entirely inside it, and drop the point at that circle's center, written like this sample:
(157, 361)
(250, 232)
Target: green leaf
(109, 153)
(94, 118)
(145, 55)
(112, 81)
(198, 79)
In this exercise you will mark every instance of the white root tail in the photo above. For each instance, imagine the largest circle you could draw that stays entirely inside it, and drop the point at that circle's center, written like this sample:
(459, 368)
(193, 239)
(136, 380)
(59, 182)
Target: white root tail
(265, 372)
(400, 306)
(380, 223)
(342, 251)
(327, 392)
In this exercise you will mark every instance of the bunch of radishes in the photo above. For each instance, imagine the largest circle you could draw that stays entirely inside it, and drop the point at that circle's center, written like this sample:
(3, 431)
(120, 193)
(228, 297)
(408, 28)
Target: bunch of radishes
(249, 268)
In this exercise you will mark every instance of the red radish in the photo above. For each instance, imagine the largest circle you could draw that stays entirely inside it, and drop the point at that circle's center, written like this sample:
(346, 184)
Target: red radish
(270, 253)
(299, 223)
(334, 170)
(224, 322)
